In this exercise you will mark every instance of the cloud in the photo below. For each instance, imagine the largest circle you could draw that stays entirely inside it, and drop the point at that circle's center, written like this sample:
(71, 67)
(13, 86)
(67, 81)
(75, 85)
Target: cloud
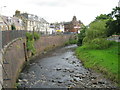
(50, 3)
(60, 10)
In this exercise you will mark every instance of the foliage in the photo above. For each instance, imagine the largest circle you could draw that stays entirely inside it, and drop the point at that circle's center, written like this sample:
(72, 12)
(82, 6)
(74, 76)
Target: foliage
(36, 36)
(71, 41)
(81, 35)
(103, 17)
(113, 24)
(30, 46)
(105, 61)
(30, 43)
(30, 36)
(94, 36)
(13, 27)
(97, 43)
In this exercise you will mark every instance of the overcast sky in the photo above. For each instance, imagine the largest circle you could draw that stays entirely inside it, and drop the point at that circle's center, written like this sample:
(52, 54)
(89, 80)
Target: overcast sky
(60, 10)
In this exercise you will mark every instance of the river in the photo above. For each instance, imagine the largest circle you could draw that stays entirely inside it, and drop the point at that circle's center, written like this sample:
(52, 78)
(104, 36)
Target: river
(60, 68)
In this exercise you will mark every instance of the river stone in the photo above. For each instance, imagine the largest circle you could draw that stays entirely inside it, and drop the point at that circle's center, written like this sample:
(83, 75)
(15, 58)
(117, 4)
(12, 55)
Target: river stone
(93, 77)
(66, 58)
(94, 82)
(71, 71)
(25, 80)
(60, 82)
(19, 80)
(73, 62)
(101, 82)
(58, 69)
(52, 81)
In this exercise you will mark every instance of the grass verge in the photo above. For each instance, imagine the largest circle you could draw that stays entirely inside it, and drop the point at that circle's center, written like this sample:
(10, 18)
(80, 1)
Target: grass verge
(105, 61)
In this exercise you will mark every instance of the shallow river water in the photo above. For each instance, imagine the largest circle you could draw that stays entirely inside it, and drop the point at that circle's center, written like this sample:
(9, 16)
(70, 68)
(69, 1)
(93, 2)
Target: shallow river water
(61, 69)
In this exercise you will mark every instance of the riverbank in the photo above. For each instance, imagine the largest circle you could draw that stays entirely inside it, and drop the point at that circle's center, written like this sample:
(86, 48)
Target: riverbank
(105, 61)
(60, 68)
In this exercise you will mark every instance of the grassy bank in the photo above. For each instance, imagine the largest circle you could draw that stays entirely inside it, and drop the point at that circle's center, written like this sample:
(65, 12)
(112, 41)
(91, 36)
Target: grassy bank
(105, 61)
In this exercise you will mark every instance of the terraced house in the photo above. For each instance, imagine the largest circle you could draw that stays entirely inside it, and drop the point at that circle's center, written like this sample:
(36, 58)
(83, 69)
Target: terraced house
(33, 22)
(10, 23)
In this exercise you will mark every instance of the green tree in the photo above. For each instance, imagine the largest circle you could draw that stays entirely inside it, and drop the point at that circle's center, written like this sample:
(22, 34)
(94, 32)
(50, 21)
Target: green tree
(13, 27)
(95, 35)
(81, 35)
(113, 24)
(103, 17)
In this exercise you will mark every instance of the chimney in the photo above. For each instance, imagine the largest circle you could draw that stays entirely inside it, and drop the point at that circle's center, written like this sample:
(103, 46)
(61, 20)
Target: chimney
(17, 13)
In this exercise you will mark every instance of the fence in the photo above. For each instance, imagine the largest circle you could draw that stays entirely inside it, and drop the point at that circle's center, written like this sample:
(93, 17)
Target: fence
(8, 36)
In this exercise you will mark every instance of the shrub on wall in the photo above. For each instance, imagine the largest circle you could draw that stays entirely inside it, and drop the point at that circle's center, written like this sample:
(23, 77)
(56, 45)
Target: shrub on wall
(36, 36)
(30, 38)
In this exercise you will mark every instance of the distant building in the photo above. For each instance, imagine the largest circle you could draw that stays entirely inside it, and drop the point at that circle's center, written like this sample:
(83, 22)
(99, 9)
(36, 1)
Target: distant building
(72, 26)
(56, 28)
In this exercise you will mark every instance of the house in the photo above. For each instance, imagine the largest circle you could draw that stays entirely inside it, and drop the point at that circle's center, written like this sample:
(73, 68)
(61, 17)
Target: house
(3, 26)
(33, 22)
(52, 28)
(56, 28)
(44, 26)
(72, 26)
(7, 23)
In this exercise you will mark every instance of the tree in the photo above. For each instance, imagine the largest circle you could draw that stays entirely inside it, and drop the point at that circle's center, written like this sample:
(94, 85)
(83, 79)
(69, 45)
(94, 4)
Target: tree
(13, 27)
(95, 35)
(113, 24)
(81, 35)
(103, 17)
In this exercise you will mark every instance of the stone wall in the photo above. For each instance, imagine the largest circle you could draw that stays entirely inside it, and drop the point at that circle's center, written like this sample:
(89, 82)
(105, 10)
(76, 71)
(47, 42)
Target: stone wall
(14, 56)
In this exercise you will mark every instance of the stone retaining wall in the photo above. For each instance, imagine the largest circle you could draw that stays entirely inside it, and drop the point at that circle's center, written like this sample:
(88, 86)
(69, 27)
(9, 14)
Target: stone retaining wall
(14, 56)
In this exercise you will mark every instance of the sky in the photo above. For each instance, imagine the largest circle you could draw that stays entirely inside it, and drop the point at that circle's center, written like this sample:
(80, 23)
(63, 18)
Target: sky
(59, 10)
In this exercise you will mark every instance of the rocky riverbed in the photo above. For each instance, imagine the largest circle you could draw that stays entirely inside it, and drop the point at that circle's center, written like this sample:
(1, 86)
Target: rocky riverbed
(61, 69)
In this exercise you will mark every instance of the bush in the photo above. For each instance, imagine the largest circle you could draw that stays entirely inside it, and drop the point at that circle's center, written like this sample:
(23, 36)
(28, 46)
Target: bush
(98, 43)
(29, 36)
(72, 41)
(30, 46)
(30, 43)
(81, 35)
(36, 36)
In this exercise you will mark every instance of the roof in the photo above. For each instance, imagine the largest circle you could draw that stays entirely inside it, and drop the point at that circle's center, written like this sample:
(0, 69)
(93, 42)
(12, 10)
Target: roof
(11, 20)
